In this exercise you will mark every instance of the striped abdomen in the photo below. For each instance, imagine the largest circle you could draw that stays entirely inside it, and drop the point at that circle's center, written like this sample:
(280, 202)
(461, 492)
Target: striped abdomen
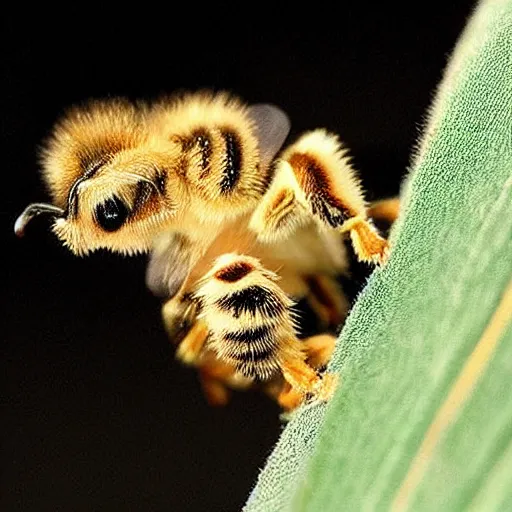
(248, 316)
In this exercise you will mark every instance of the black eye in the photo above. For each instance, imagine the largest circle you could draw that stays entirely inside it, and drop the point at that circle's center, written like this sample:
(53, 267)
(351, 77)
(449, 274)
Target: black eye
(111, 214)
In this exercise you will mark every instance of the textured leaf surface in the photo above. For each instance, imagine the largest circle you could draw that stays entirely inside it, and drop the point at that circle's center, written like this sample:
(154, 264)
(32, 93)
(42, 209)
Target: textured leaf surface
(423, 417)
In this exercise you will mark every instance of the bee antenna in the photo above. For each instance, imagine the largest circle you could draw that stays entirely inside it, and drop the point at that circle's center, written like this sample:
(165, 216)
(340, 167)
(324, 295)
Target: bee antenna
(33, 210)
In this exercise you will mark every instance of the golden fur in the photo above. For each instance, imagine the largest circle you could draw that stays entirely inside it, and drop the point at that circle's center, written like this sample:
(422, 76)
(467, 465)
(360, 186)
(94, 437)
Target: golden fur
(199, 180)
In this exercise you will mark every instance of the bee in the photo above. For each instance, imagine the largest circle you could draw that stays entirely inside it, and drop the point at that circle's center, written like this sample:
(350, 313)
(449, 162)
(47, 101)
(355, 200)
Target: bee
(238, 227)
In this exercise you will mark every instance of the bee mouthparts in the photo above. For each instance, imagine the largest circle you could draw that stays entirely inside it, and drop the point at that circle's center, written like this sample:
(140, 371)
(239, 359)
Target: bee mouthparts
(33, 210)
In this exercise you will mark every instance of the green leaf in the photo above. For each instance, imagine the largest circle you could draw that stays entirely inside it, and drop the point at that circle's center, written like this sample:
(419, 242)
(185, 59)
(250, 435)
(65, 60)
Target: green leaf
(422, 419)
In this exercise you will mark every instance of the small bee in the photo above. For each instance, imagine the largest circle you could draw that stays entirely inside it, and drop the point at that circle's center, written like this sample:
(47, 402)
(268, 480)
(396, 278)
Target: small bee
(238, 228)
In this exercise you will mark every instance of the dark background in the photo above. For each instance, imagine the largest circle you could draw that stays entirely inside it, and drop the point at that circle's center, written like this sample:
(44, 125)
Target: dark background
(96, 414)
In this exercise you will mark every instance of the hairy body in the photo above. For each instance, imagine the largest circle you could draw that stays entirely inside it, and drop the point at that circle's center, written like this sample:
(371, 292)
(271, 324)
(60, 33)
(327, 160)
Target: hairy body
(238, 228)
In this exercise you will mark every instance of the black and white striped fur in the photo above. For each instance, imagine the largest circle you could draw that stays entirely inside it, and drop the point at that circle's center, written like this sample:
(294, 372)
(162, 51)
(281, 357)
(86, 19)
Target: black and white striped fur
(249, 317)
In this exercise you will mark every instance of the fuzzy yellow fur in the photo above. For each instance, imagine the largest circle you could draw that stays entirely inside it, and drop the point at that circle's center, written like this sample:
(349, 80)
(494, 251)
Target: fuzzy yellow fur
(287, 205)
(290, 354)
(333, 157)
(140, 140)
(268, 217)
(218, 321)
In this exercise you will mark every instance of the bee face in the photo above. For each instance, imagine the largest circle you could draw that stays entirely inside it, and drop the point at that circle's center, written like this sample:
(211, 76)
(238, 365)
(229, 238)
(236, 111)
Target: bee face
(122, 206)
(112, 178)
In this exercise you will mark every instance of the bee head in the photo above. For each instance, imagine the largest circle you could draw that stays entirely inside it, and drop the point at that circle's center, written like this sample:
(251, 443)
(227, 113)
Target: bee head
(119, 174)
(109, 178)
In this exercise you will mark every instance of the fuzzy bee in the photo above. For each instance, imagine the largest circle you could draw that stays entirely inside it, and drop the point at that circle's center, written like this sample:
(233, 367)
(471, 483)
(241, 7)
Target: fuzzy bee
(238, 228)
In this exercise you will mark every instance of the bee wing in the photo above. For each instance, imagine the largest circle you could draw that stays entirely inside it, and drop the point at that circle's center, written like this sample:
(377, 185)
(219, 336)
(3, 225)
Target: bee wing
(272, 128)
(169, 264)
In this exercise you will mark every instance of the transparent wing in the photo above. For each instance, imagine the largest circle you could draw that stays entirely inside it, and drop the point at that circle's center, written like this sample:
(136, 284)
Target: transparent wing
(272, 128)
(169, 264)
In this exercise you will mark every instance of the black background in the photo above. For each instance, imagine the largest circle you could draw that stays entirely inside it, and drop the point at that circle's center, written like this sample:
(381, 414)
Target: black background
(97, 415)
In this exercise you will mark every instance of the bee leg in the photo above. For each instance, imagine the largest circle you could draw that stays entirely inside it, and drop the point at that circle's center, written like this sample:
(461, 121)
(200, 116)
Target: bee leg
(300, 383)
(319, 349)
(299, 380)
(314, 180)
(327, 300)
(178, 315)
(214, 388)
(216, 392)
(252, 328)
(192, 345)
(289, 398)
(385, 210)
(218, 379)
(300, 387)
(368, 245)
(306, 380)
